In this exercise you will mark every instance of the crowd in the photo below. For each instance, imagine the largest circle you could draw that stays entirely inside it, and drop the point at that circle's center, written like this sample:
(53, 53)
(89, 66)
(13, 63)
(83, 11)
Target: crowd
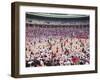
(56, 42)
(57, 51)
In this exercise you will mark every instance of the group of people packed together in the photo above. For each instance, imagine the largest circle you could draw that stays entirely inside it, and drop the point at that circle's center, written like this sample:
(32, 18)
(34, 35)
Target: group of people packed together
(56, 51)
